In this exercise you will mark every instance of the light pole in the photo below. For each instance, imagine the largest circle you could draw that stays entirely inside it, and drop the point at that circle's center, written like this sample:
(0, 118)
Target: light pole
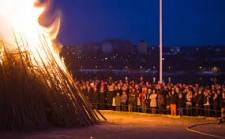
(160, 41)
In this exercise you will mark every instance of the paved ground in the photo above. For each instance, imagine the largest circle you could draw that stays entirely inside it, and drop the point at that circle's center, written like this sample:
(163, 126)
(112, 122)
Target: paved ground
(124, 125)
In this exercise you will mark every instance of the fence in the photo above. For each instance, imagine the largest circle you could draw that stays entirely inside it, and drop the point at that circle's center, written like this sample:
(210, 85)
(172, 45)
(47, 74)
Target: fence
(190, 111)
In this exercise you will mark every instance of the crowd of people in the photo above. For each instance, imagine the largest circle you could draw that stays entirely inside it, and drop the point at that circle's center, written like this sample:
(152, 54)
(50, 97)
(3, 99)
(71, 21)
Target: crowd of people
(142, 96)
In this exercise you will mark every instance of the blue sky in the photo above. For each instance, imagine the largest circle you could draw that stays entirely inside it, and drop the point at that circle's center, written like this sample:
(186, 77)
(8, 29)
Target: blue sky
(185, 22)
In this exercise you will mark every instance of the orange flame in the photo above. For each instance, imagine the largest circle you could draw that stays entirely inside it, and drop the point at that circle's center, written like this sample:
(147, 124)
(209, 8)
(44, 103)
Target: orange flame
(21, 26)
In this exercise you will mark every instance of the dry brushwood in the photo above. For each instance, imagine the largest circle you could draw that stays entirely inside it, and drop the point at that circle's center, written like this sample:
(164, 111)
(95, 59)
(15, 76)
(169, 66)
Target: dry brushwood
(36, 95)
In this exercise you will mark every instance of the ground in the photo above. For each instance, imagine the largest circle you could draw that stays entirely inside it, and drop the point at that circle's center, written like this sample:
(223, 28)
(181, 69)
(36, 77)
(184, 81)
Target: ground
(125, 125)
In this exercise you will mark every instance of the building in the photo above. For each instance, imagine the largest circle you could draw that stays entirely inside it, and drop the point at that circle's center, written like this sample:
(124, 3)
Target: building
(142, 47)
(107, 47)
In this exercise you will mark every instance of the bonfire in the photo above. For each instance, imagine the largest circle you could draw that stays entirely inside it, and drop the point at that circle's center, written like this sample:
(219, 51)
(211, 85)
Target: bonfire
(36, 88)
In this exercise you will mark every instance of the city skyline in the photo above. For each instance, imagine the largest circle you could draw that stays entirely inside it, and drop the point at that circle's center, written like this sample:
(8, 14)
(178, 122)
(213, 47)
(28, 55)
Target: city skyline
(185, 23)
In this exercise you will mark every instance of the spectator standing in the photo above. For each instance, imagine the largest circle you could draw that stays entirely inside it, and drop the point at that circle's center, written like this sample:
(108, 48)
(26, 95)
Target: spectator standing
(167, 103)
(153, 102)
(207, 103)
(161, 102)
(117, 101)
(110, 95)
(199, 103)
(215, 104)
(124, 101)
(173, 100)
(180, 103)
(189, 103)
(138, 102)
(131, 100)
(102, 95)
(95, 96)
(147, 99)
(143, 103)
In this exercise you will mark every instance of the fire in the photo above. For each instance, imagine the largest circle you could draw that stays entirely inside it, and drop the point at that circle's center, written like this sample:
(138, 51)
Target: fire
(36, 86)
(21, 27)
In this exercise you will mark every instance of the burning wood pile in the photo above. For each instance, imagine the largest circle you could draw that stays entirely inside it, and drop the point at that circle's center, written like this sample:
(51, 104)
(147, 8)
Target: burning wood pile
(36, 89)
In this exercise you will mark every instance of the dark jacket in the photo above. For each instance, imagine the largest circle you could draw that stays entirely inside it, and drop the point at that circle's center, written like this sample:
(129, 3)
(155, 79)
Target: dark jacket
(199, 101)
(180, 100)
(161, 99)
(173, 99)
(215, 103)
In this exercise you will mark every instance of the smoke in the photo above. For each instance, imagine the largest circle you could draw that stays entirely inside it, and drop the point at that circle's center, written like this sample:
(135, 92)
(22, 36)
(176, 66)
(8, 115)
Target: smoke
(51, 20)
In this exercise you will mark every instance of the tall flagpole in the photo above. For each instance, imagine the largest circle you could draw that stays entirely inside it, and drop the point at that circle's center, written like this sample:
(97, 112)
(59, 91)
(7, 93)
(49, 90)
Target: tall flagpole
(160, 42)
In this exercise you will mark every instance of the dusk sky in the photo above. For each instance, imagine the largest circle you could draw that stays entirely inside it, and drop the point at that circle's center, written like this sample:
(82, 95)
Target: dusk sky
(185, 22)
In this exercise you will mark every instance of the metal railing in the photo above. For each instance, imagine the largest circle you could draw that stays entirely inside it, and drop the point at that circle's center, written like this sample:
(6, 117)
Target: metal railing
(190, 111)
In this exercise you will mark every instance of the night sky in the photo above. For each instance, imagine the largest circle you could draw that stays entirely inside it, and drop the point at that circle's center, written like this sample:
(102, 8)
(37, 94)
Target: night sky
(185, 22)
